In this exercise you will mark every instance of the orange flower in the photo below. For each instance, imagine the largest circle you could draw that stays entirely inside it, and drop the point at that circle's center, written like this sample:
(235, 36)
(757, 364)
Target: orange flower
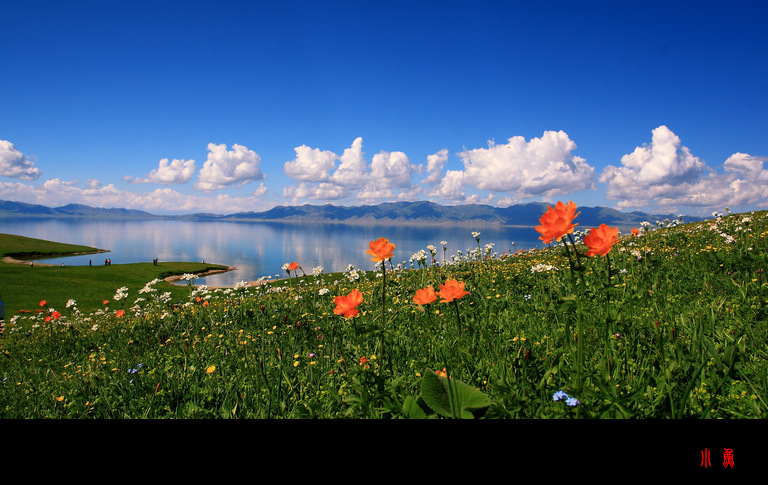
(635, 232)
(42, 302)
(601, 240)
(346, 305)
(120, 313)
(557, 222)
(363, 360)
(293, 266)
(425, 296)
(452, 290)
(381, 249)
(56, 315)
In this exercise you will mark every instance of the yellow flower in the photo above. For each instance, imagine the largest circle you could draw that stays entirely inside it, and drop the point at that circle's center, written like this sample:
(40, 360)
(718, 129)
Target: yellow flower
(210, 369)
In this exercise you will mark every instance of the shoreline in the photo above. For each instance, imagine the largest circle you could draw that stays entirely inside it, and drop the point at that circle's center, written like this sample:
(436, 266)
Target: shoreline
(173, 279)
(34, 257)
(169, 279)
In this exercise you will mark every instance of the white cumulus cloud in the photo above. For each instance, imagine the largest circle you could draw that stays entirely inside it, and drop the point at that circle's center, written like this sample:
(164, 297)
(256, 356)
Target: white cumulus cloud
(168, 173)
(388, 176)
(451, 186)
(14, 164)
(310, 164)
(225, 168)
(539, 167)
(435, 163)
(666, 176)
(321, 191)
(664, 162)
(353, 168)
(391, 169)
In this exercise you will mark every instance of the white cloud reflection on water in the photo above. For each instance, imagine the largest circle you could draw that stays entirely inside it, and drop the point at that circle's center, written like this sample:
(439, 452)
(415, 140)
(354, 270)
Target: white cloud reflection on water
(258, 249)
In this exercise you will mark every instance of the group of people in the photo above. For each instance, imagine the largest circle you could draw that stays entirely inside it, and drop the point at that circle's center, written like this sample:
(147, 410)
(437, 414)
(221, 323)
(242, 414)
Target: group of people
(107, 262)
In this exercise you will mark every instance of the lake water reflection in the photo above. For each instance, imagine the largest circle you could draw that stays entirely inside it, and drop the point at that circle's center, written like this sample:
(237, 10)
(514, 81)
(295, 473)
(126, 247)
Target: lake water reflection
(258, 249)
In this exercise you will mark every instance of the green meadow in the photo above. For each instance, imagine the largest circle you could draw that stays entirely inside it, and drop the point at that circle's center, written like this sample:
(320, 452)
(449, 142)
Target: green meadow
(669, 324)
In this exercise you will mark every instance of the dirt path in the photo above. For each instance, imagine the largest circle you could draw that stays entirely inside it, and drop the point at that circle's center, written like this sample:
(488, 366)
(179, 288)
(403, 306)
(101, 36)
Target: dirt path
(8, 259)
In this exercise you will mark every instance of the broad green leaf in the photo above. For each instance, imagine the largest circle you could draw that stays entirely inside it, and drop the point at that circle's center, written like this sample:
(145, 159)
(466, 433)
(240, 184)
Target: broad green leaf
(451, 397)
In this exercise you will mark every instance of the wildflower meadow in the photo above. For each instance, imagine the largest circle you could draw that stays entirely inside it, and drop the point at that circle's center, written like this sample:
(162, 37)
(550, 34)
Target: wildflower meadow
(667, 321)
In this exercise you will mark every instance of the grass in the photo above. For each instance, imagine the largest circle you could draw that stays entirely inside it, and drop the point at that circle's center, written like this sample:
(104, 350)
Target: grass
(22, 287)
(670, 325)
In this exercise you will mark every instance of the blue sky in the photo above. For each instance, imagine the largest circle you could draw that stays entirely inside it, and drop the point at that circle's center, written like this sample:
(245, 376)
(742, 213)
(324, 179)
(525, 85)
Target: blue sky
(233, 106)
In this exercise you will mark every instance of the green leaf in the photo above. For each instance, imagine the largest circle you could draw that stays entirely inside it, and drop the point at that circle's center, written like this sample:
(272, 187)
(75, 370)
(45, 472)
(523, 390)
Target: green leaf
(412, 409)
(451, 397)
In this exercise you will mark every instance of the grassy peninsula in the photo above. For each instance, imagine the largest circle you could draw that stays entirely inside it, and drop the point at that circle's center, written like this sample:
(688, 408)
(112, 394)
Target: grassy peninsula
(23, 286)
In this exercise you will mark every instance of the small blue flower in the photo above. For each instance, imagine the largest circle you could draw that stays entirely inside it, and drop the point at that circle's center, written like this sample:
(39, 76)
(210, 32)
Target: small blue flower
(572, 401)
(559, 395)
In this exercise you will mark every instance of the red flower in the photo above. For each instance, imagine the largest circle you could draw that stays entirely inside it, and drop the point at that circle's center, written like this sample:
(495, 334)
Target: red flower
(381, 249)
(293, 266)
(346, 305)
(363, 360)
(56, 315)
(120, 313)
(452, 290)
(635, 232)
(42, 302)
(557, 222)
(601, 240)
(425, 296)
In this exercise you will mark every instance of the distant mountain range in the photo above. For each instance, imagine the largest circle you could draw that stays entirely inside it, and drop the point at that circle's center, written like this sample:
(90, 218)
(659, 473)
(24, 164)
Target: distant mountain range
(386, 213)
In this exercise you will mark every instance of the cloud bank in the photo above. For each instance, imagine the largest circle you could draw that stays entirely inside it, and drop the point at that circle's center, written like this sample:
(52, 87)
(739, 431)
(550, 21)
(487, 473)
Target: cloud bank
(660, 176)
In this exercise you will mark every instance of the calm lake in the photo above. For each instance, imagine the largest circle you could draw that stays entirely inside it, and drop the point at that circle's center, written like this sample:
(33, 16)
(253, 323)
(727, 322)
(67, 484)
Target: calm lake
(258, 249)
